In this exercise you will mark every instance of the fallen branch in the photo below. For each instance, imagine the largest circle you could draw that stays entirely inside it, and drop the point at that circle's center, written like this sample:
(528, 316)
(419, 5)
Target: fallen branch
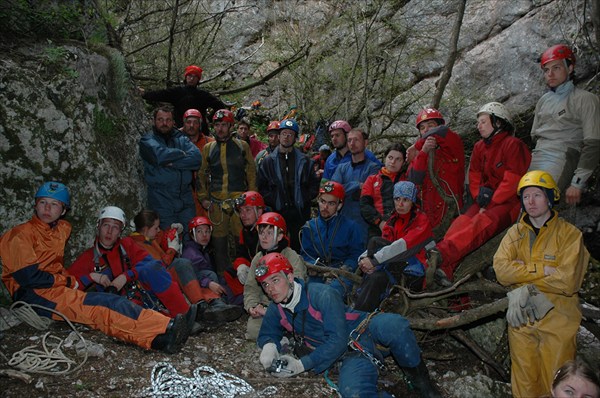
(15, 374)
(336, 271)
(464, 339)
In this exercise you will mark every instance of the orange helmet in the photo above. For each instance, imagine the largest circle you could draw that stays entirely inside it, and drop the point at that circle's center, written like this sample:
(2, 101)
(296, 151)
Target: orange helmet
(223, 115)
(273, 126)
(270, 264)
(429, 114)
(193, 70)
(333, 188)
(559, 51)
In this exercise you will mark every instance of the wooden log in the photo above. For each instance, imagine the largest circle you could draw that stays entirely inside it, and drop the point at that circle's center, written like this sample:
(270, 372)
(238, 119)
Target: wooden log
(336, 271)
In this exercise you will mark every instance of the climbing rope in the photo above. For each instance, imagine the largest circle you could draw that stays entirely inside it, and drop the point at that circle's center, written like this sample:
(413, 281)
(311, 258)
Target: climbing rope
(51, 360)
(205, 382)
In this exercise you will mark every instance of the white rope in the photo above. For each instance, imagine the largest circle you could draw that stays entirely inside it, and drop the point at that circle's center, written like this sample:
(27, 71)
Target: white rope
(206, 382)
(50, 360)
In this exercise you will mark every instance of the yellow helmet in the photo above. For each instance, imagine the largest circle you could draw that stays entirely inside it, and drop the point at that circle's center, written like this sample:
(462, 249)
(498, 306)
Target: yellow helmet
(541, 179)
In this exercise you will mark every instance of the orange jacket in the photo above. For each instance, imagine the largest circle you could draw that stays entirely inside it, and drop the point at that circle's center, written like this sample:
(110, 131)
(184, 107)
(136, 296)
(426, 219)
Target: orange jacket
(33, 256)
(153, 248)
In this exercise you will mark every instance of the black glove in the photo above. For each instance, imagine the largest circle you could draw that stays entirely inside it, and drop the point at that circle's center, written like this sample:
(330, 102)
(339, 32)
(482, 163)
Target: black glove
(485, 196)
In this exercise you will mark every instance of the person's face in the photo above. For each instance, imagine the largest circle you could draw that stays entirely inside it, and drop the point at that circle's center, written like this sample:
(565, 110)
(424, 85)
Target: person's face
(49, 210)
(191, 126)
(109, 231)
(535, 202)
(203, 234)
(277, 286)
(192, 80)
(427, 125)
(243, 131)
(556, 72)
(267, 238)
(356, 143)
(575, 387)
(222, 130)
(328, 205)
(153, 230)
(273, 139)
(249, 215)
(402, 205)
(163, 122)
(338, 139)
(394, 161)
(484, 125)
(287, 137)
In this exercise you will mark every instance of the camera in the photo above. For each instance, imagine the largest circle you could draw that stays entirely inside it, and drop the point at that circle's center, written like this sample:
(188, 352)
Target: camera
(277, 366)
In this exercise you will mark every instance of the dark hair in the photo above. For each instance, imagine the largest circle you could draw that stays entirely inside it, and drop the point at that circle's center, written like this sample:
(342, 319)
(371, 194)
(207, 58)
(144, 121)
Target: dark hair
(577, 367)
(162, 108)
(395, 147)
(365, 135)
(145, 218)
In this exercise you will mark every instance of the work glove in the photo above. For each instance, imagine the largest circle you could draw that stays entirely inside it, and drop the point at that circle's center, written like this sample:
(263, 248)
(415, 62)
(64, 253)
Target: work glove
(173, 243)
(119, 282)
(268, 354)
(242, 273)
(294, 366)
(485, 196)
(539, 303)
(518, 299)
(178, 227)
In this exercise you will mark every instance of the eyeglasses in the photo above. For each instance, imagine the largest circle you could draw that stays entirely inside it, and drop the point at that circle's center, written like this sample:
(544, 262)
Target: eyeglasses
(287, 133)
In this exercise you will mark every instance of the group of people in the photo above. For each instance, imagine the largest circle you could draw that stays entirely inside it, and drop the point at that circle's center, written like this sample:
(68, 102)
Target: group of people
(379, 219)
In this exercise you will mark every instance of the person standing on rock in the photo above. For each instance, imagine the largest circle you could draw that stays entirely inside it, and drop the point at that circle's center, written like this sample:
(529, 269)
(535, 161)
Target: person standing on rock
(33, 271)
(543, 260)
(566, 126)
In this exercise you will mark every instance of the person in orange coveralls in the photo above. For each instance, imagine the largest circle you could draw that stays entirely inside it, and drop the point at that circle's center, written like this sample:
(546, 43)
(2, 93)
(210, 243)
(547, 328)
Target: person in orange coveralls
(32, 256)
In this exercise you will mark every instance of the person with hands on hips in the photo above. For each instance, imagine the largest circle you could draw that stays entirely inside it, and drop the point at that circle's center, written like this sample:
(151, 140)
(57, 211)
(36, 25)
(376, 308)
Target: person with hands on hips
(542, 258)
(323, 329)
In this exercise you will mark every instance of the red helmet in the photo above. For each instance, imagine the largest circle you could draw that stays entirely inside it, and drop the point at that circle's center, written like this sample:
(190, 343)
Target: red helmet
(193, 70)
(192, 113)
(274, 219)
(340, 124)
(429, 114)
(197, 221)
(333, 188)
(223, 115)
(273, 126)
(270, 264)
(250, 198)
(559, 51)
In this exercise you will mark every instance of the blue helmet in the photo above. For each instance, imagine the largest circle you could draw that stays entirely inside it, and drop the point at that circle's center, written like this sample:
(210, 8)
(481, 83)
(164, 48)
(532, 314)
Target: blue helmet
(290, 124)
(405, 189)
(54, 190)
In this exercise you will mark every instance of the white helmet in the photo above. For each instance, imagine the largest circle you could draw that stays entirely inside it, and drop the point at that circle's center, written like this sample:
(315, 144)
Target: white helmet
(496, 109)
(112, 212)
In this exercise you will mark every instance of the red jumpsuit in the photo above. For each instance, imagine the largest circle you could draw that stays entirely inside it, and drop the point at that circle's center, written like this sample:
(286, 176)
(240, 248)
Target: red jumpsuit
(180, 269)
(449, 166)
(499, 165)
(126, 257)
(32, 270)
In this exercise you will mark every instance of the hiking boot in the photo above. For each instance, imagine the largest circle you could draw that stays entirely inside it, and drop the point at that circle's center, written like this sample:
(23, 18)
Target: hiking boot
(190, 316)
(441, 279)
(419, 376)
(218, 311)
(174, 337)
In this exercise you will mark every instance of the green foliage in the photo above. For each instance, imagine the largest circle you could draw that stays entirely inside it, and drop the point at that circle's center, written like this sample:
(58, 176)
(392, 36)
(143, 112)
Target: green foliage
(119, 77)
(104, 125)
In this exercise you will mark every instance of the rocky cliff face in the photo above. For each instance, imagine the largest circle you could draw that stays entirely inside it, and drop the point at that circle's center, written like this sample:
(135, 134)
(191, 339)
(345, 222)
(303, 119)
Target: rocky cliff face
(68, 112)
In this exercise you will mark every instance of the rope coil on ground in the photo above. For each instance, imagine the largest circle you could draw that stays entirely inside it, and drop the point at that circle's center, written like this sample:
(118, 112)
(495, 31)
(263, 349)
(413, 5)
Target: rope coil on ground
(205, 382)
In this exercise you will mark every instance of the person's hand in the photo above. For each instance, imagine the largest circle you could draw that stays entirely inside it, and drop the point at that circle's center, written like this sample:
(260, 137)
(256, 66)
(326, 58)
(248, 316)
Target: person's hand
(178, 227)
(381, 225)
(216, 288)
(206, 204)
(484, 197)
(429, 145)
(294, 366)
(242, 273)
(257, 311)
(516, 315)
(119, 282)
(174, 243)
(101, 279)
(268, 354)
(411, 153)
(573, 195)
(366, 265)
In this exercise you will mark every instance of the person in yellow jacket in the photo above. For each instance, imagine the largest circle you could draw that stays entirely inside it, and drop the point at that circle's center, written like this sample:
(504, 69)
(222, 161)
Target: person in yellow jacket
(32, 257)
(543, 260)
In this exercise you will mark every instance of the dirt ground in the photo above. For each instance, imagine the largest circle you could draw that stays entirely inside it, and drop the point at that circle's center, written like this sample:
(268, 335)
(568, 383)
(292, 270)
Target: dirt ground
(125, 370)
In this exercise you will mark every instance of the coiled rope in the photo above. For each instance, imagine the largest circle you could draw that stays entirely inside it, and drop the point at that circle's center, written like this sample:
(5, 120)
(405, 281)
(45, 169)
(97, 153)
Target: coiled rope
(51, 360)
(205, 382)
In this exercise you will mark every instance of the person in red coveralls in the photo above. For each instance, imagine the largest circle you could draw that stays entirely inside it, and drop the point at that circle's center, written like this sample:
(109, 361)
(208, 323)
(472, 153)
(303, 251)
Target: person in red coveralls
(32, 270)
(120, 265)
(444, 147)
(498, 162)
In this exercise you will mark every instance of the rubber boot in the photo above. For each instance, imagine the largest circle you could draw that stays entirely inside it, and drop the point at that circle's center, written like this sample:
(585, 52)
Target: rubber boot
(174, 336)
(218, 311)
(419, 376)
